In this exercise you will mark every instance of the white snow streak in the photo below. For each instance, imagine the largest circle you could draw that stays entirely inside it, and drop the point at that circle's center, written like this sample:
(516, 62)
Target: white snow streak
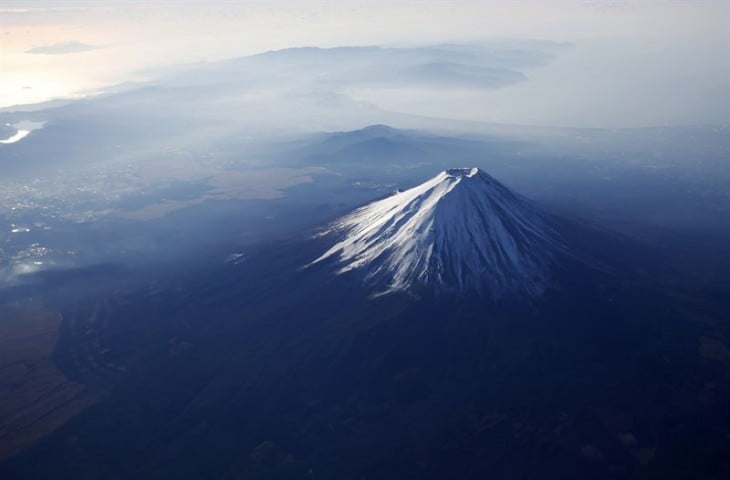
(460, 231)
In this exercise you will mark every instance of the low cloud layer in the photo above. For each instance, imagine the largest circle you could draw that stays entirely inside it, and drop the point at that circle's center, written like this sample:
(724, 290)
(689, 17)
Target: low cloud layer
(62, 48)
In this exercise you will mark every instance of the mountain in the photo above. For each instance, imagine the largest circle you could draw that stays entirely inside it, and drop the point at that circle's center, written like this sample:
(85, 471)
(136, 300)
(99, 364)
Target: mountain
(380, 151)
(460, 231)
(262, 370)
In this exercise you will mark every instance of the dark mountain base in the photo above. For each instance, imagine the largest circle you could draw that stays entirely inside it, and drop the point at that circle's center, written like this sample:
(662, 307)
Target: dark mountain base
(251, 371)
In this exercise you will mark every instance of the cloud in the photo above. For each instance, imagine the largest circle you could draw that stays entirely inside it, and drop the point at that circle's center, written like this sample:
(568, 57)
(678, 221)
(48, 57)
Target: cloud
(62, 48)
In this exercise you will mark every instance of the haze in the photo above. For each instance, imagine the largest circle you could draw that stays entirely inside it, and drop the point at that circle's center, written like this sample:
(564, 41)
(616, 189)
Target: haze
(624, 63)
(375, 240)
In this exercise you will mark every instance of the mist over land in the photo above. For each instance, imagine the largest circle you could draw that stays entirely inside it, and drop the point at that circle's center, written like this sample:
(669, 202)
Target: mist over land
(258, 255)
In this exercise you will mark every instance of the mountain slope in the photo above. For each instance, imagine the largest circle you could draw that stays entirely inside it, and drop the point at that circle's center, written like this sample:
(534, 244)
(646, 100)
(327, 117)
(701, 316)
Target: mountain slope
(460, 231)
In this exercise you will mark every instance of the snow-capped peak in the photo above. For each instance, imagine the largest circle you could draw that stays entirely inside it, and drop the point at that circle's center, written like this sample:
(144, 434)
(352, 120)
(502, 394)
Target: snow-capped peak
(460, 231)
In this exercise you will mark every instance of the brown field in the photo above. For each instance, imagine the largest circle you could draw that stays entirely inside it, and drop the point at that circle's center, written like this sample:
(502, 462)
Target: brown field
(36, 398)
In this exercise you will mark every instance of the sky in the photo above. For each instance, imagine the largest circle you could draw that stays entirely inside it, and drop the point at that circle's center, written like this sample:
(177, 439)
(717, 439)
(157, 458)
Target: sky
(627, 63)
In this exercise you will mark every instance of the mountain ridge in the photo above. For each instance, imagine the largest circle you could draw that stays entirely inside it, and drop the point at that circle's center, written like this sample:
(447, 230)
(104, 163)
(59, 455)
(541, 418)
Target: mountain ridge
(460, 231)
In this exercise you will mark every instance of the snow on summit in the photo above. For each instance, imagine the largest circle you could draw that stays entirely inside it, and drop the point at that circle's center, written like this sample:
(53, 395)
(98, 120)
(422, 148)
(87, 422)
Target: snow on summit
(460, 231)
